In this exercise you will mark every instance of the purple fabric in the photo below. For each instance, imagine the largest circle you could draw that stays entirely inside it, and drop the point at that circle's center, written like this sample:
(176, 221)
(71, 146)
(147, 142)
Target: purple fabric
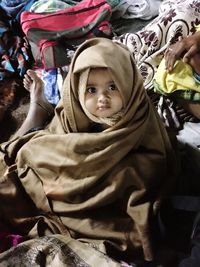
(8, 239)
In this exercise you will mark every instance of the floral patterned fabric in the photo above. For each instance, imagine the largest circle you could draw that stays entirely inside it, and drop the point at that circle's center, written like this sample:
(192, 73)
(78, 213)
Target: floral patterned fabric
(55, 250)
(176, 18)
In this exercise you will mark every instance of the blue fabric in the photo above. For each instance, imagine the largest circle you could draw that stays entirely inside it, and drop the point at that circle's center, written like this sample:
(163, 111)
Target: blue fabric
(14, 8)
(51, 88)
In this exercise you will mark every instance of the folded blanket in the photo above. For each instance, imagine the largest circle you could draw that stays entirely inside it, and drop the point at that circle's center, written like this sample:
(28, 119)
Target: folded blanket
(143, 9)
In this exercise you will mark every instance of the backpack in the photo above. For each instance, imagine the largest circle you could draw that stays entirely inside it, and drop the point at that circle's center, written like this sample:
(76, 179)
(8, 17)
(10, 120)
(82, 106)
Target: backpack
(54, 37)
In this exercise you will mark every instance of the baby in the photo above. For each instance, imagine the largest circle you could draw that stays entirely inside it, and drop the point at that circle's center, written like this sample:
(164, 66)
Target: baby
(102, 164)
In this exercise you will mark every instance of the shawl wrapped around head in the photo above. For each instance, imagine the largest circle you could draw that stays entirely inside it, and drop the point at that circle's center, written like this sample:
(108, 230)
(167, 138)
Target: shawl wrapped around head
(99, 187)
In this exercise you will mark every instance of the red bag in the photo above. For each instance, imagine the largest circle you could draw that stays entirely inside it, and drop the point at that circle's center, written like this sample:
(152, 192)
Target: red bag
(55, 36)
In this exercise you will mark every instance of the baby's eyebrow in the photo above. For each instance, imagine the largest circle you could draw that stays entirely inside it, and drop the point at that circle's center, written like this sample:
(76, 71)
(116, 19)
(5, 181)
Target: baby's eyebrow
(90, 84)
(93, 84)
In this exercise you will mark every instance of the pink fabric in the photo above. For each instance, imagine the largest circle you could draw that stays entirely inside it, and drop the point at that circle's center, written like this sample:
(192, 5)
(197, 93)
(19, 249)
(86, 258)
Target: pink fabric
(8, 239)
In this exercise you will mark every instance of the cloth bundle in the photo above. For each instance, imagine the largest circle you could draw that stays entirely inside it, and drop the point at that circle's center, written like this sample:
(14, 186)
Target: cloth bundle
(143, 9)
(180, 83)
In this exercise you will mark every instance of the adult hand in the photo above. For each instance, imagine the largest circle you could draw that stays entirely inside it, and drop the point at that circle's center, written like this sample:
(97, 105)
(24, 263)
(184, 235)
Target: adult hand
(186, 48)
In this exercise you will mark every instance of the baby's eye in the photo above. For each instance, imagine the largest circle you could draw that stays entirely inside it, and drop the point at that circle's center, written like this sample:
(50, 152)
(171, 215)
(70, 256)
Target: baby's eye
(91, 90)
(112, 87)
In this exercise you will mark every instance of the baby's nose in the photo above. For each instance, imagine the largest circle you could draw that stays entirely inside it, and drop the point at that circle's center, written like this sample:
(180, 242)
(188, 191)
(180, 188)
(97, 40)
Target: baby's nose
(103, 97)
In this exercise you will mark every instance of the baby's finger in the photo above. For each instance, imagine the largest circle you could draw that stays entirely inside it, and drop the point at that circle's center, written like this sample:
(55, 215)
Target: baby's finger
(27, 78)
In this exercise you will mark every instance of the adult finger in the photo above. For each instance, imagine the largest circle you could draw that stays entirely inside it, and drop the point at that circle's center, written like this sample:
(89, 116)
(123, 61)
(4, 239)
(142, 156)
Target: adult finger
(170, 59)
(172, 54)
(190, 53)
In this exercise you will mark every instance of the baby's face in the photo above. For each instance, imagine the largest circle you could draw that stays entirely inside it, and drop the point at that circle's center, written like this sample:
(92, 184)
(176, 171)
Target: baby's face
(102, 97)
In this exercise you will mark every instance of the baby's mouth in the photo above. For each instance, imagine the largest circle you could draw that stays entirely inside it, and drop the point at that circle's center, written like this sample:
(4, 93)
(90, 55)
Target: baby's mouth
(103, 107)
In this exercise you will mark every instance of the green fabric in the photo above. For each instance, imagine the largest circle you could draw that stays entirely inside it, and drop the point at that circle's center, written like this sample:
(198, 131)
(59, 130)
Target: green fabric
(58, 5)
(180, 94)
(113, 3)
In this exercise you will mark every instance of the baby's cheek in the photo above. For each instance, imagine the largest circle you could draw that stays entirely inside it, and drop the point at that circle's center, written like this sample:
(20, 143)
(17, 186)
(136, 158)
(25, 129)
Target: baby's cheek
(89, 104)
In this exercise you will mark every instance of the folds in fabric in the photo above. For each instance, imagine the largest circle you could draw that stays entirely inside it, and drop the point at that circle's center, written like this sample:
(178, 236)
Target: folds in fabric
(180, 83)
(96, 186)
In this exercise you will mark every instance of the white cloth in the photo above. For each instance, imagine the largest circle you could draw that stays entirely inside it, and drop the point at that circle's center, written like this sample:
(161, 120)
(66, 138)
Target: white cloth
(190, 134)
(143, 9)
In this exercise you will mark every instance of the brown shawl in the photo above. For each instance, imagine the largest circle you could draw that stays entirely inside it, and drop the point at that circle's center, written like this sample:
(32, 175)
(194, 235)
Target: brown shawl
(94, 186)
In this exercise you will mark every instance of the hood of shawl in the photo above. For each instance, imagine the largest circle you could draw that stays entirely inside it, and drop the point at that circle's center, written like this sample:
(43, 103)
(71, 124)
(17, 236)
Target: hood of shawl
(102, 52)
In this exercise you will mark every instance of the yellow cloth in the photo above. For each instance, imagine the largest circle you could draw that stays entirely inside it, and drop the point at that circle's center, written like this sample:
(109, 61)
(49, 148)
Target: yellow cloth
(99, 187)
(198, 28)
(181, 78)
